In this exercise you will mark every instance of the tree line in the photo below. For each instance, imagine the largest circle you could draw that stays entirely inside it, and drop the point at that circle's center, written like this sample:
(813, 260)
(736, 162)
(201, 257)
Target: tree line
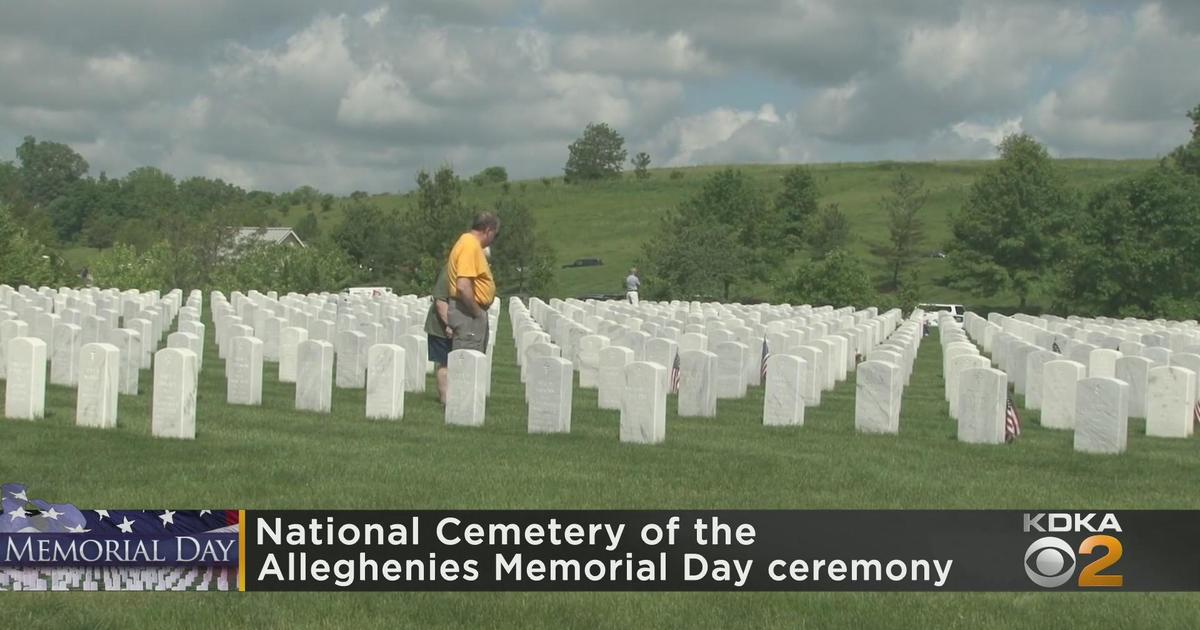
(1131, 248)
(158, 233)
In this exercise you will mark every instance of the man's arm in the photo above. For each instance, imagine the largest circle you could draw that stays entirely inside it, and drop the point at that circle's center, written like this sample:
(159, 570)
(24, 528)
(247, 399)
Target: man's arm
(442, 307)
(466, 296)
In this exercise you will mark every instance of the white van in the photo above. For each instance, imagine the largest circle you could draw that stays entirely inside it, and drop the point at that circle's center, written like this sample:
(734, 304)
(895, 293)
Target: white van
(932, 310)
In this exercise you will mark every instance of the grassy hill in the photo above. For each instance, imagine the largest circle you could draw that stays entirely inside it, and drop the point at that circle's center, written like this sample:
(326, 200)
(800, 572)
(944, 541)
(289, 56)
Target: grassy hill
(611, 220)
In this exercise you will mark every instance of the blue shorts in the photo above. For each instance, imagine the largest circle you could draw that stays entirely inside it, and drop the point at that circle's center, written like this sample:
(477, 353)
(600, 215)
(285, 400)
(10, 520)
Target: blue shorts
(439, 350)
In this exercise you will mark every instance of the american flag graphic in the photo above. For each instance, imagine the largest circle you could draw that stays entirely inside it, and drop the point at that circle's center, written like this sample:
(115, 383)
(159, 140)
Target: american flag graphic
(1012, 421)
(675, 374)
(23, 515)
(762, 368)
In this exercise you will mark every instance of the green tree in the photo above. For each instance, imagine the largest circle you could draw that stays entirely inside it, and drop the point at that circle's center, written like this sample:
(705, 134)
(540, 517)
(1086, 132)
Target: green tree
(840, 279)
(431, 226)
(693, 260)
(367, 235)
(308, 229)
(906, 230)
(1010, 232)
(326, 203)
(490, 175)
(1187, 157)
(641, 165)
(123, 267)
(598, 154)
(200, 196)
(23, 260)
(522, 261)
(48, 170)
(723, 236)
(797, 202)
(148, 192)
(1137, 251)
(828, 231)
(271, 267)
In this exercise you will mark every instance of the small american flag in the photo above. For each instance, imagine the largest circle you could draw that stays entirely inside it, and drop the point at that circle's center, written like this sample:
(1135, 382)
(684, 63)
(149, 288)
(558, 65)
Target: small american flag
(675, 374)
(762, 368)
(1055, 348)
(1012, 421)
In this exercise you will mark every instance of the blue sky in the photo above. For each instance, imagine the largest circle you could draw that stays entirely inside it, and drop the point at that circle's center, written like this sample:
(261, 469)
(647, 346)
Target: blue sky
(360, 95)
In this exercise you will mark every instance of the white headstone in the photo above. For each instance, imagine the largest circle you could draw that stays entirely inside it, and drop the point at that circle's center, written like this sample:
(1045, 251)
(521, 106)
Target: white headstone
(466, 400)
(416, 353)
(731, 370)
(1103, 362)
(1059, 381)
(957, 366)
(289, 344)
(244, 378)
(550, 390)
(1035, 365)
(25, 386)
(314, 376)
(877, 391)
(10, 329)
(1101, 421)
(1135, 371)
(644, 408)
(173, 413)
(351, 360)
(99, 376)
(783, 400)
(385, 382)
(697, 384)
(982, 397)
(1172, 399)
(611, 379)
(589, 359)
(814, 376)
(64, 357)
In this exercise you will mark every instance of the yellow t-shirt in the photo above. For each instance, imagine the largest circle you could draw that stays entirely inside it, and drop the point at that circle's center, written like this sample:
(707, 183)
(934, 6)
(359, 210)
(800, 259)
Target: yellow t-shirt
(468, 261)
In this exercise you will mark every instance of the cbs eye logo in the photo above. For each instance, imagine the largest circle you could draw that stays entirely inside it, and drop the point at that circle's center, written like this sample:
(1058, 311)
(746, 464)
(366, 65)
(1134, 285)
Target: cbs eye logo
(1050, 562)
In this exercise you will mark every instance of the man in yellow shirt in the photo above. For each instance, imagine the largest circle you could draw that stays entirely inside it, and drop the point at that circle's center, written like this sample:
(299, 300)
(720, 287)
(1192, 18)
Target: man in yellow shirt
(472, 288)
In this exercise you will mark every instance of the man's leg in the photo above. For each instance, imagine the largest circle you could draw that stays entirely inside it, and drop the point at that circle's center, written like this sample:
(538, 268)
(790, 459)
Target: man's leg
(443, 379)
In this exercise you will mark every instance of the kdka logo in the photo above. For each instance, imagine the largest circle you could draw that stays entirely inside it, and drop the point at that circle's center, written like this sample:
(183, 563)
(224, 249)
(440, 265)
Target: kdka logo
(1050, 561)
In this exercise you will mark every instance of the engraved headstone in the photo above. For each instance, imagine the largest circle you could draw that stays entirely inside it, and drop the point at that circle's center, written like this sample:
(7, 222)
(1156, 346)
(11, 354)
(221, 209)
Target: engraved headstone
(99, 376)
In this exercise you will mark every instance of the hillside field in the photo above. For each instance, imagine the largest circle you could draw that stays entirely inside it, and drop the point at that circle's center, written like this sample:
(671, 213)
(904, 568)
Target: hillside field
(612, 220)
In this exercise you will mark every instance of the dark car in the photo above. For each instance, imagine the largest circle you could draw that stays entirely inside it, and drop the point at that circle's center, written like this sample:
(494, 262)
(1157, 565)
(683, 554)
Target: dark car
(585, 262)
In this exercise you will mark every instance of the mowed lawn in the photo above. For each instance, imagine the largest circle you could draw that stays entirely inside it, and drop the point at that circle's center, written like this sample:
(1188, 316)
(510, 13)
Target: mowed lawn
(274, 457)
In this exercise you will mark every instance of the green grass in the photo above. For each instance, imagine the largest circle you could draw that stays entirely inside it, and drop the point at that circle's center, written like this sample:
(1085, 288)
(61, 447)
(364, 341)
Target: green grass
(275, 457)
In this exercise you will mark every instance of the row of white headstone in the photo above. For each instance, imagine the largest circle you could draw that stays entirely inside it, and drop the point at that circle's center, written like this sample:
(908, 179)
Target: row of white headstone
(99, 370)
(880, 379)
(1091, 376)
(635, 356)
(378, 348)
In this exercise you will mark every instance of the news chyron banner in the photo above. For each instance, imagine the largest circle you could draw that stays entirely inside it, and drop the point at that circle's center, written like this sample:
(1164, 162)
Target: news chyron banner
(47, 546)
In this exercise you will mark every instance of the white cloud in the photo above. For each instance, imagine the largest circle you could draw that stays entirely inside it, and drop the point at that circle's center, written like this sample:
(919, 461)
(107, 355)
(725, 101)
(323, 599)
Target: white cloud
(360, 94)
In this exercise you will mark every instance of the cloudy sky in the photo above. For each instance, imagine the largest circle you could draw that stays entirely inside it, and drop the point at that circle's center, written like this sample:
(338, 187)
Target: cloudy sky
(360, 94)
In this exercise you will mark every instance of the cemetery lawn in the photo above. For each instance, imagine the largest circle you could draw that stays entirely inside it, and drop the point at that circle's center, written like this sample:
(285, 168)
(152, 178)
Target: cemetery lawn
(274, 457)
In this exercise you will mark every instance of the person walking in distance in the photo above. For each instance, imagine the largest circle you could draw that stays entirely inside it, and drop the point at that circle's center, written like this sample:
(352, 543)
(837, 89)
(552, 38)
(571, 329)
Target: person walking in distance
(472, 287)
(632, 284)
